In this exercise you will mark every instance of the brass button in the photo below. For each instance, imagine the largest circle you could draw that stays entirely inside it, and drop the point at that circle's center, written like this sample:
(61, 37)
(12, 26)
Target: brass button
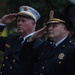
(3, 65)
(59, 62)
(41, 74)
(43, 67)
(0, 72)
(63, 45)
(70, 41)
(6, 57)
(10, 67)
(50, 42)
(13, 60)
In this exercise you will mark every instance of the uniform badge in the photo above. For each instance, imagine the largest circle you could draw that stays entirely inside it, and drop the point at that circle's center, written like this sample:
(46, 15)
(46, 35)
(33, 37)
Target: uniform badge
(51, 14)
(25, 8)
(61, 56)
(7, 45)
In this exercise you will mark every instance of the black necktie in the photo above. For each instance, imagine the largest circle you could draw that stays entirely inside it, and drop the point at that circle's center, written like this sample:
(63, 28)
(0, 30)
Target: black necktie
(54, 45)
(19, 41)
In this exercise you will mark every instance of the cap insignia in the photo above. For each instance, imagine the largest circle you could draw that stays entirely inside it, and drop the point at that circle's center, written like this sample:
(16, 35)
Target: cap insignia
(25, 8)
(51, 14)
(61, 56)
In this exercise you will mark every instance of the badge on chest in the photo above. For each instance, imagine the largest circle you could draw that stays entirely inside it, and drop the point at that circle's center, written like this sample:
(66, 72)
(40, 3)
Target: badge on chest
(61, 56)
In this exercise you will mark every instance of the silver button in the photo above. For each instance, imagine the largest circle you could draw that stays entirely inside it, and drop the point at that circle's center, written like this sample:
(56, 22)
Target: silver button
(10, 67)
(63, 45)
(0, 72)
(6, 57)
(13, 60)
(43, 67)
(59, 62)
(50, 42)
(70, 41)
(3, 65)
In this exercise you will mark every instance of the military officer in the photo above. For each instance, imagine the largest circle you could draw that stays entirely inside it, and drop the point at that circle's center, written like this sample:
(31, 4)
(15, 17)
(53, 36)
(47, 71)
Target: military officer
(26, 22)
(58, 59)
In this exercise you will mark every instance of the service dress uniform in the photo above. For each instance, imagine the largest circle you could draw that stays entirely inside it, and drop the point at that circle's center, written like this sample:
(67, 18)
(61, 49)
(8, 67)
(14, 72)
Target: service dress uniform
(58, 60)
(12, 65)
(51, 60)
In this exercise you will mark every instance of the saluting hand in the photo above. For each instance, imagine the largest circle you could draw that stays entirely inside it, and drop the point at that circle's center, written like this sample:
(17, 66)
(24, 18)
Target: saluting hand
(7, 19)
(38, 34)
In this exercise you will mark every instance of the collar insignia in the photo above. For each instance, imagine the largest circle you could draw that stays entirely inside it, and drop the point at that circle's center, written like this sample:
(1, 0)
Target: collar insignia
(7, 45)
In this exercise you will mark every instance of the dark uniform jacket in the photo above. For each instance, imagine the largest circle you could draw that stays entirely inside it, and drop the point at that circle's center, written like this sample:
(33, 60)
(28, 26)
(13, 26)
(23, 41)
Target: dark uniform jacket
(12, 65)
(54, 61)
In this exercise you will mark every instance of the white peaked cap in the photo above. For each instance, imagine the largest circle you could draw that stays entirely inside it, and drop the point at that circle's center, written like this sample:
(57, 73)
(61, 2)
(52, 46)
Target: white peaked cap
(29, 12)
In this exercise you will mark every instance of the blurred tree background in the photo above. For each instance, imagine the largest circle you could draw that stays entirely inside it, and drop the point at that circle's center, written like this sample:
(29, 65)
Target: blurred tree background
(43, 6)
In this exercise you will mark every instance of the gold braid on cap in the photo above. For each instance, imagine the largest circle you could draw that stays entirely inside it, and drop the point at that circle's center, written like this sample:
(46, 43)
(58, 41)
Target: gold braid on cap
(25, 8)
(51, 15)
(52, 19)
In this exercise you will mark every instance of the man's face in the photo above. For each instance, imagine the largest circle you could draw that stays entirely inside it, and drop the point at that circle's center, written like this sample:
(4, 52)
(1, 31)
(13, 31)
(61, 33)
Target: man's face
(56, 31)
(25, 25)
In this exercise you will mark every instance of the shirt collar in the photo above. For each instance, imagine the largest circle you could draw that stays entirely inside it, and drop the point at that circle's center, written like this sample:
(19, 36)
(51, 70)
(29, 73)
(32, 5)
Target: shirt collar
(60, 41)
(25, 37)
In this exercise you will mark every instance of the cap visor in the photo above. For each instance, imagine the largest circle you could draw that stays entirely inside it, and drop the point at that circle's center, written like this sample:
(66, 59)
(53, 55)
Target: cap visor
(25, 15)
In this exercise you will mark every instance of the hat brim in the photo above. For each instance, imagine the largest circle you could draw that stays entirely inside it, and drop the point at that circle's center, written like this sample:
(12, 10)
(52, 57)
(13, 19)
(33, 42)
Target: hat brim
(53, 22)
(25, 15)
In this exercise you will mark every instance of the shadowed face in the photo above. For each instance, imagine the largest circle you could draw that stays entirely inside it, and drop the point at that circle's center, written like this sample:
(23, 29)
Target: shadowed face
(25, 25)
